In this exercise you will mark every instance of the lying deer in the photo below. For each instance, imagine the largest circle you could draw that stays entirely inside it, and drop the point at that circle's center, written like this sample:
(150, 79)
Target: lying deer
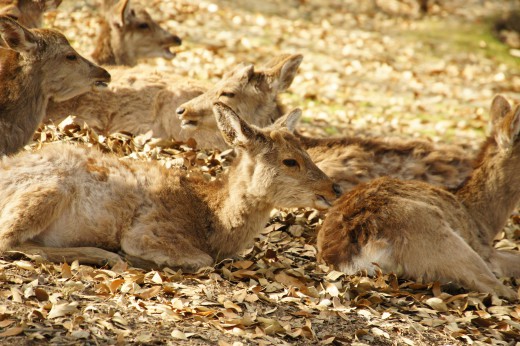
(37, 65)
(28, 13)
(420, 231)
(138, 103)
(65, 196)
(128, 34)
(348, 160)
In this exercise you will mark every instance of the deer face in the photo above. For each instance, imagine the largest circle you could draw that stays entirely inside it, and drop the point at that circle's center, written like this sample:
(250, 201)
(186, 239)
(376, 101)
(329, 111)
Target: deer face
(249, 93)
(140, 35)
(67, 74)
(279, 170)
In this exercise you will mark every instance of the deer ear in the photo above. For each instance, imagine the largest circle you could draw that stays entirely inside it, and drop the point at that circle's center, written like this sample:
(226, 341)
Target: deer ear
(505, 123)
(284, 68)
(289, 120)
(499, 109)
(121, 13)
(234, 130)
(17, 37)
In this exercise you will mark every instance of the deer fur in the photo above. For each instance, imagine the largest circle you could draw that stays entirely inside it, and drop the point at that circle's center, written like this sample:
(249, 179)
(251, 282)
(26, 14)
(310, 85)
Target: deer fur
(128, 33)
(65, 196)
(346, 160)
(37, 65)
(424, 232)
(138, 102)
(352, 160)
(28, 13)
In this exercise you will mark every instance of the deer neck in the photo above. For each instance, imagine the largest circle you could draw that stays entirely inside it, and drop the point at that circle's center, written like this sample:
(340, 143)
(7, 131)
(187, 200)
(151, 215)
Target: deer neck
(241, 208)
(492, 192)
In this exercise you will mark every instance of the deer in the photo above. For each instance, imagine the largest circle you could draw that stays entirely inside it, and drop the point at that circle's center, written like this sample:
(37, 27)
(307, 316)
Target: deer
(37, 65)
(64, 196)
(424, 232)
(28, 13)
(138, 103)
(128, 33)
(348, 160)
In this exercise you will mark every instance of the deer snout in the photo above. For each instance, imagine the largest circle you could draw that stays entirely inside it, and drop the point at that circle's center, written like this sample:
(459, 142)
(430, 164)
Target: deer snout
(324, 200)
(186, 122)
(101, 78)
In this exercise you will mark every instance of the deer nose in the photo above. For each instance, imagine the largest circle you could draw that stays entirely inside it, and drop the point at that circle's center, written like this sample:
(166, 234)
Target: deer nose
(337, 189)
(180, 111)
(177, 40)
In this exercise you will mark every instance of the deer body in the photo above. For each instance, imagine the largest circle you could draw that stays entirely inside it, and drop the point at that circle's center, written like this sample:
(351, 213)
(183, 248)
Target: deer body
(424, 232)
(353, 160)
(66, 197)
(28, 13)
(37, 65)
(138, 103)
(128, 34)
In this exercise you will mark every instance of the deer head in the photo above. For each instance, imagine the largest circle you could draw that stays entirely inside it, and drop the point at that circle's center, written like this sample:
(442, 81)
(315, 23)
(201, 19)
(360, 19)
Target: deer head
(136, 35)
(60, 71)
(253, 94)
(281, 173)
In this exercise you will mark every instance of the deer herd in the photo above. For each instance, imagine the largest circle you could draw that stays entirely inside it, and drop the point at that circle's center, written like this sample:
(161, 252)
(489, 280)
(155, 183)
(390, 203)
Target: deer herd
(423, 211)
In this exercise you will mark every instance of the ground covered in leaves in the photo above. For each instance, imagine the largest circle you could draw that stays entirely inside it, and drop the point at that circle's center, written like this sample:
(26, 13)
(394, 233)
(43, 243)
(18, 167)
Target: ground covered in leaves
(370, 68)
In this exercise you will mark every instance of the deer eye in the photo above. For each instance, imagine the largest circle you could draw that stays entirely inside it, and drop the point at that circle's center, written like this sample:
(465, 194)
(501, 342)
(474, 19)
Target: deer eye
(227, 94)
(290, 163)
(71, 57)
(143, 26)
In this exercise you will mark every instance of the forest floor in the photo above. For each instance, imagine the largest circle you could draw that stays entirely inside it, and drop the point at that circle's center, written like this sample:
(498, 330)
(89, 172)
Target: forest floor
(370, 68)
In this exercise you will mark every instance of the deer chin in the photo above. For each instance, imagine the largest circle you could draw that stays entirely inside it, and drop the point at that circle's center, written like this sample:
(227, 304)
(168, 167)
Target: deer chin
(321, 202)
(167, 53)
(99, 85)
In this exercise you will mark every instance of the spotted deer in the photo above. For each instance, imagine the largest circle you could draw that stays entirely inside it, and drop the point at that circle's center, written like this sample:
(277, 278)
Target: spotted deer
(137, 102)
(28, 13)
(421, 231)
(128, 33)
(65, 196)
(37, 65)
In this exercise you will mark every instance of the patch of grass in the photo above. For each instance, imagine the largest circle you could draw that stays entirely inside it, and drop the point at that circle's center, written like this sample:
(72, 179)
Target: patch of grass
(478, 38)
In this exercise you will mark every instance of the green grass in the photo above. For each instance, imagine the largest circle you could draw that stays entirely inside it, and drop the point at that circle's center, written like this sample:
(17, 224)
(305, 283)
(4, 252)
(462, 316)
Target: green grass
(445, 36)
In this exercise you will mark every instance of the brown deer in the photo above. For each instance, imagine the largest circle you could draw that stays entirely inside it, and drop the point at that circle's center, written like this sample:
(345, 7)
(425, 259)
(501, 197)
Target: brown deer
(424, 232)
(28, 13)
(37, 65)
(139, 102)
(128, 34)
(353, 160)
(348, 160)
(65, 196)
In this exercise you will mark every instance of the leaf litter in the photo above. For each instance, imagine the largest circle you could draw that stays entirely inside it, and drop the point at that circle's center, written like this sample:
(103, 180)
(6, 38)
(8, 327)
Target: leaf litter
(369, 69)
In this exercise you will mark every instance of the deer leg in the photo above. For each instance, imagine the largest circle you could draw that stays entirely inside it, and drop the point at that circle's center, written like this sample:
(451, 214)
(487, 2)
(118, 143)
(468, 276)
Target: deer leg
(174, 252)
(29, 213)
(450, 258)
(84, 255)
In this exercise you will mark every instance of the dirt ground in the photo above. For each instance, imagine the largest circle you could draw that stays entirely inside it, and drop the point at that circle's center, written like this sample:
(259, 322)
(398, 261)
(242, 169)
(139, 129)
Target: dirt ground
(370, 68)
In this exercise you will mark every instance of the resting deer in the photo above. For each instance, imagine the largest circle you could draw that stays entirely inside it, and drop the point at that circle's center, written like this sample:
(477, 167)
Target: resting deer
(420, 231)
(66, 196)
(348, 160)
(138, 103)
(37, 65)
(28, 13)
(128, 34)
